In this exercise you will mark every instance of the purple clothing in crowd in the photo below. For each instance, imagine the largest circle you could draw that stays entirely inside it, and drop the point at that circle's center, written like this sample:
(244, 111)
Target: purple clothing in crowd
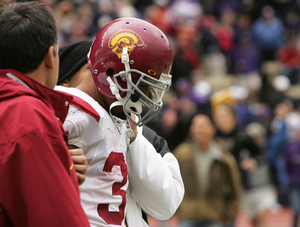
(292, 157)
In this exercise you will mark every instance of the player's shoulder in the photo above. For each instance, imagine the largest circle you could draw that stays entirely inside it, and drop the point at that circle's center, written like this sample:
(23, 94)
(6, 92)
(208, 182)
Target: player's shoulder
(82, 102)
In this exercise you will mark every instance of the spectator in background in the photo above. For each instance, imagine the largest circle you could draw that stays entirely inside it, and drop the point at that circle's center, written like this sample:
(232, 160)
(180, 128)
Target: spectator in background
(245, 57)
(207, 42)
(234, 139)
(243, 27)
(261, 198)
(277, 140)
(292, 162)
(246, 63)
(210, 175)
(242, 146)
(185, 17)
(186, 59)
(268, 33)
(207, 46)
(224, 33)
(289, 60)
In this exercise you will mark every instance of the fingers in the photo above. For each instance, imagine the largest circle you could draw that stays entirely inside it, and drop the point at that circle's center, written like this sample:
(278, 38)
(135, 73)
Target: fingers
(133, 127)
(81, 168)
(80, 178)
(79, 159)
(76, 152)
(80, 164)
(81, 171)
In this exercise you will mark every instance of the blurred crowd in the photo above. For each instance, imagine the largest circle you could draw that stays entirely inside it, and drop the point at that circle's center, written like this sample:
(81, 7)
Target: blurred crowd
(242, 53)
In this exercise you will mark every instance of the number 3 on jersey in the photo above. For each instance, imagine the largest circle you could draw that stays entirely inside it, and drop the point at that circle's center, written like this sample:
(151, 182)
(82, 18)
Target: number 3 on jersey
(113, 217)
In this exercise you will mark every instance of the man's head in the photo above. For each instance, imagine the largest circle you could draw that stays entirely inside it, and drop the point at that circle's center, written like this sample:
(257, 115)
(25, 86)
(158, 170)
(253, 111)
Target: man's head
(225, 118)
(73, 65)
(267, 12)
(27, 32)
(202, 130)
(283, 108)
(130, 60)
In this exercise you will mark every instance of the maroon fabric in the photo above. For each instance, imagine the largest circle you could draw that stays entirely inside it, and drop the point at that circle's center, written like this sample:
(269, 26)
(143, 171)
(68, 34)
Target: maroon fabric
(38, 183)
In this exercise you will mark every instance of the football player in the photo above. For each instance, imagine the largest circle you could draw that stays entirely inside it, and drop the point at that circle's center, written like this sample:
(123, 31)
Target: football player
(129, 62)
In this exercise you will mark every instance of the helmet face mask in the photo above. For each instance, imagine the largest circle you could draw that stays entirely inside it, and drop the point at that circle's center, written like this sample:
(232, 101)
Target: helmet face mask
(130, 60)
(146, 91)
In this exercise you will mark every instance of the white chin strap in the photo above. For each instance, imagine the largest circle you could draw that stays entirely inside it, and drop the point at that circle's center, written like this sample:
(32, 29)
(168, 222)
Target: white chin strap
(119, 121)
(115, 91)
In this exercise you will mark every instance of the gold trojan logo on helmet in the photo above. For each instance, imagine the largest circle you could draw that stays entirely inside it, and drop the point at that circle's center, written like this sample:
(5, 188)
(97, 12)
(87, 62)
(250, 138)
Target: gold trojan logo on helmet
(124, 38)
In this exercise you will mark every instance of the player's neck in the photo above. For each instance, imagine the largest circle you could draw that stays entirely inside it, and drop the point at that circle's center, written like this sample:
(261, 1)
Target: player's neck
(88, 86)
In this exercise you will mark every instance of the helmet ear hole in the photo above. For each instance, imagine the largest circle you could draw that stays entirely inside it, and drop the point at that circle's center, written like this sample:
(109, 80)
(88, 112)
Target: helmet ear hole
(110, 72)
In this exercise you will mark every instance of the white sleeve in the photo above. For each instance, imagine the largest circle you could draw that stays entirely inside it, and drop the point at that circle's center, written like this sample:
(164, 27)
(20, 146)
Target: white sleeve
(155, 181)
(75, 126)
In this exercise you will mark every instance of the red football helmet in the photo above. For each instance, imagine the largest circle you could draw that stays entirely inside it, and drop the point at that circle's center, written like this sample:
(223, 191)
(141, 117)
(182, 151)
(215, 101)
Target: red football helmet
(130, 59)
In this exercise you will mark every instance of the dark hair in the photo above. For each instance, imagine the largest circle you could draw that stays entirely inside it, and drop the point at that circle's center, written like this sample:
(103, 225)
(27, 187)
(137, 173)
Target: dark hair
(27, 31)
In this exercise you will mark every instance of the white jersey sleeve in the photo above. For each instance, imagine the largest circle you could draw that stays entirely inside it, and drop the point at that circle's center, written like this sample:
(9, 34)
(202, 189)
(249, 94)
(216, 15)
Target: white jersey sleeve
(75, 127)
(155, 181)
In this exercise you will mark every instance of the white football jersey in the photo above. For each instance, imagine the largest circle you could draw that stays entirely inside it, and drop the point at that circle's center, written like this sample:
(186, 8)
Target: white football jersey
(90, 127)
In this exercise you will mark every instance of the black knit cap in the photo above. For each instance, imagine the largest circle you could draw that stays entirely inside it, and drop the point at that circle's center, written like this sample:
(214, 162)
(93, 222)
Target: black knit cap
(71, 58)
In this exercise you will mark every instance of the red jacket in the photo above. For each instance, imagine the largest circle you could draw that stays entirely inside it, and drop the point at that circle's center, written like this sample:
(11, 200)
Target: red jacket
(38, 184)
